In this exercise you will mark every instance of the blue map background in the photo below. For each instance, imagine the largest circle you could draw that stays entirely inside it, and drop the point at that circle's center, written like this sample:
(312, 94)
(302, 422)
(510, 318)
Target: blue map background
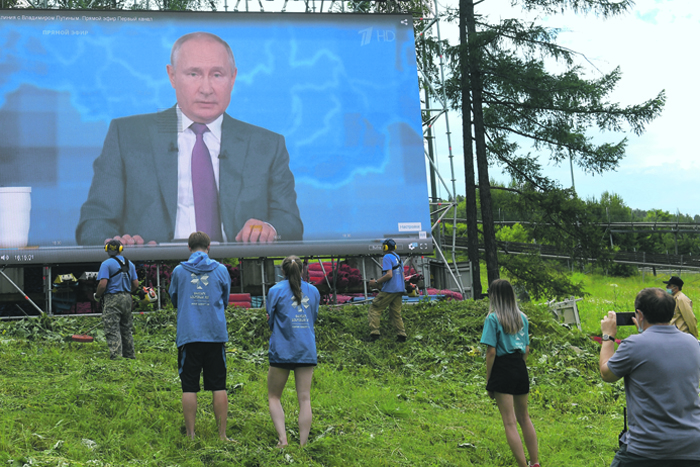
(342, 89)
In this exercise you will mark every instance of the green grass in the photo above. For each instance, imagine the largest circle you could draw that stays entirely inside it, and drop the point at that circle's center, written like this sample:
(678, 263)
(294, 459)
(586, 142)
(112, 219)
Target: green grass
(421, 403)
(618, 294)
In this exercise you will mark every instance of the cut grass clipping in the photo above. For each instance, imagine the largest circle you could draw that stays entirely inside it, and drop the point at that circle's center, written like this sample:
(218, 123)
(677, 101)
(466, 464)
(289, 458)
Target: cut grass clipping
(418, 403)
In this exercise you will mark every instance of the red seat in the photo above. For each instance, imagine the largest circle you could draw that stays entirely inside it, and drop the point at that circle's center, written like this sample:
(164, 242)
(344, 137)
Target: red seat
(239, 297)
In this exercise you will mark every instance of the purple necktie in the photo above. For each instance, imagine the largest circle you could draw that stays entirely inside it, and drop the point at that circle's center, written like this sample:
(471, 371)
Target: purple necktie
(206, 196)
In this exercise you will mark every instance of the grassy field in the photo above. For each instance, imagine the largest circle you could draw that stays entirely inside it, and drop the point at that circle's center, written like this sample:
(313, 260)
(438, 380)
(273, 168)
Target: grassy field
(618, 293)
(420, 403)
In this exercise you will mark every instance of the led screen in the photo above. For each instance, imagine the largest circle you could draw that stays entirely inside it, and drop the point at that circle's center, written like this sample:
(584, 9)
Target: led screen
(321, 139)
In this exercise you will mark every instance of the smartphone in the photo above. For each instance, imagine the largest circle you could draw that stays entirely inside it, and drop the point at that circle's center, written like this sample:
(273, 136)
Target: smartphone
(625, 318)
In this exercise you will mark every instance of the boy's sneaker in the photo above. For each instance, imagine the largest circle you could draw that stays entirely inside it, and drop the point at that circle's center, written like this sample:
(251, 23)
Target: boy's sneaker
(533, 465)
(401, 338)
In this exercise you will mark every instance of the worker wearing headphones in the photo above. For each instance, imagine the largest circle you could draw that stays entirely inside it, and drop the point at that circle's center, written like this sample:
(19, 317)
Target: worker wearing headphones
(392, 289)
(117, 280)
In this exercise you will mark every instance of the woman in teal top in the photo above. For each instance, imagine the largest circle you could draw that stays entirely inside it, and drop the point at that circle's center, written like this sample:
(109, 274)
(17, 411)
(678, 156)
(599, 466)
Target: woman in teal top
(506, 335)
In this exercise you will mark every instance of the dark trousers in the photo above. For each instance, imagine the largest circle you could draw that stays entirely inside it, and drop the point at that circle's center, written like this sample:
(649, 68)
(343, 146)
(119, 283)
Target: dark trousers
(627, 459)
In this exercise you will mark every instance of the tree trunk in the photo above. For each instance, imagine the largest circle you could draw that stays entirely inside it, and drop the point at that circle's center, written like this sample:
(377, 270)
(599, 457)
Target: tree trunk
(470, 198)
(480, 138)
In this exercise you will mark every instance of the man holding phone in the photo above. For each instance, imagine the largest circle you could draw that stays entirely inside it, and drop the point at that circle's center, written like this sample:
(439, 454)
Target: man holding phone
(683, 316)
(661, 390)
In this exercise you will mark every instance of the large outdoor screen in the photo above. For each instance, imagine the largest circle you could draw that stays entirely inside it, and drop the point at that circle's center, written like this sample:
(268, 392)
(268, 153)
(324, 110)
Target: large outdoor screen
(319, 150)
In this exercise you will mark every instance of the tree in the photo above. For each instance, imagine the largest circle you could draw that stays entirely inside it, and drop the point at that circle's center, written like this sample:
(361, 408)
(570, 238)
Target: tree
(514, 95)
(470, 202)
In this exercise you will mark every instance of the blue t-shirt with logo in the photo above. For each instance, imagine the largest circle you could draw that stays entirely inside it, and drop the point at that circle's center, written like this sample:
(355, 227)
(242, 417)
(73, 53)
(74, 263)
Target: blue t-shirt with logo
(495, 336)
(200, 289)
(293, 339)
(396, 284)
(122, 281)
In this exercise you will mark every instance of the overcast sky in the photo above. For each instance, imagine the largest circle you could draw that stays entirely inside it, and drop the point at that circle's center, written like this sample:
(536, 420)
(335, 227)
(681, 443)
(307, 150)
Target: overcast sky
(655, 45)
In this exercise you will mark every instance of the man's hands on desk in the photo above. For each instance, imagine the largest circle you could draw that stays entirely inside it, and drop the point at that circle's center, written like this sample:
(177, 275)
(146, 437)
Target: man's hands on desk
(256, 231)
(128, 240)
(253, 231)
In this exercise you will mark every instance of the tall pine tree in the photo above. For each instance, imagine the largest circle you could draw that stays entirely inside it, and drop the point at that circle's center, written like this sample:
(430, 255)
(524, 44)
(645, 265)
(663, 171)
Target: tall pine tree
(514, 97)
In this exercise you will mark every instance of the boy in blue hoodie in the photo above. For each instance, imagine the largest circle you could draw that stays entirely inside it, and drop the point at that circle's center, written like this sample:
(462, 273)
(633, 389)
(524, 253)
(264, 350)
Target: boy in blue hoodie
(200, 290)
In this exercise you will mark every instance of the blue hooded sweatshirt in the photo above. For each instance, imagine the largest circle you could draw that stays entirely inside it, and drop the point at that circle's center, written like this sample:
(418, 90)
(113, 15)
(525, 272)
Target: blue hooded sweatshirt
(292, 324)
(200, 289)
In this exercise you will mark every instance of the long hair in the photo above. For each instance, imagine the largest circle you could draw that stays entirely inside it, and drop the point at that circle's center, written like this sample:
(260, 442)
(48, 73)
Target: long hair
(503, 303)
(292, 266)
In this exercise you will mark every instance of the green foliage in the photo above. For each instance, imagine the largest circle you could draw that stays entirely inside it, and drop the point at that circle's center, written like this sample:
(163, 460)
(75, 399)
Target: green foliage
(578, 228)
(541, 279)
(420, 403)
(523, 100)
(516, 233)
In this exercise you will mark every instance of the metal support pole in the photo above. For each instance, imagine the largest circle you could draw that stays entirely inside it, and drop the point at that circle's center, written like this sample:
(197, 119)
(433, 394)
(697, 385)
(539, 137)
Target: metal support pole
(325, 277)
(158, 284)
(459, 283)
(47, 289)
(2, 271)
(364, 277)
(334, 268)
(240, 273)
(262, 270)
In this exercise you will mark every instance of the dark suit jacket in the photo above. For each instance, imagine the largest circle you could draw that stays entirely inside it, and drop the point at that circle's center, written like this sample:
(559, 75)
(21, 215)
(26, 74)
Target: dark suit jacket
(134, 188)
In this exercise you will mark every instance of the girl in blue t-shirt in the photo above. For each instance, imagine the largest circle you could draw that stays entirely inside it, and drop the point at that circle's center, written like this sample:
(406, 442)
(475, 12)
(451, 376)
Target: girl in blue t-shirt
(292, 309)
(507, 381)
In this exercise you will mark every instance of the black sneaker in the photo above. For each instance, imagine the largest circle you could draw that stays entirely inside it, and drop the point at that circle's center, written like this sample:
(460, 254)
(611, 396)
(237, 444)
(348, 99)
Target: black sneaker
(400, 338)
(374, 337)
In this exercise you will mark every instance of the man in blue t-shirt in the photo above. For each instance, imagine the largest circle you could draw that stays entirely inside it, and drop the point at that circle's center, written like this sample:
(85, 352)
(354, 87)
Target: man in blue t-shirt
(117, 280)
(661, 368)
(392, 289)
(200, 289)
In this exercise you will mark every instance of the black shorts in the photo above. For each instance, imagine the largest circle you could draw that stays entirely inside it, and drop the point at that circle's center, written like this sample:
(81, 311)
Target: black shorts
(509, 375)
(291, 366)
(194, 357)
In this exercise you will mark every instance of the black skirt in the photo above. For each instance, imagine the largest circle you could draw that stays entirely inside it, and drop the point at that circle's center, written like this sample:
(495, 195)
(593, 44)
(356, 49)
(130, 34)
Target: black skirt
(509, 375)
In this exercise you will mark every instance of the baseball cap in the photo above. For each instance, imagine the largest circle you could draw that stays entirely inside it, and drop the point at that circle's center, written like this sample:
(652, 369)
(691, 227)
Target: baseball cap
(675, 280)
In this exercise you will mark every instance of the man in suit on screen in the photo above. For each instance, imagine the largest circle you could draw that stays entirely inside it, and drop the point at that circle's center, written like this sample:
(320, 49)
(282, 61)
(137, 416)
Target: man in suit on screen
(192, 167)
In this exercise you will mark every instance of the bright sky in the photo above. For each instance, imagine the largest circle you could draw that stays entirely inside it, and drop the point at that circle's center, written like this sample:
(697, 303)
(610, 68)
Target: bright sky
(655, 47)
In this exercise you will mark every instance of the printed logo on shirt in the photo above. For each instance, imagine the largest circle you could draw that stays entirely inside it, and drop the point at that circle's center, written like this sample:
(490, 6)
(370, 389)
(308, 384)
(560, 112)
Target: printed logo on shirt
(200, 298)
(304, 303)
(199, 280)
(299, 320)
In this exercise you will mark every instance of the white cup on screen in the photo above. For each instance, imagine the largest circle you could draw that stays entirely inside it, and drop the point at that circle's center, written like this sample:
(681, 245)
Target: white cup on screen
(15, 207)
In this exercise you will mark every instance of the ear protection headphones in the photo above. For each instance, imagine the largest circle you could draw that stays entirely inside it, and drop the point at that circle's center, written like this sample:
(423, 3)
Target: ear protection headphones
(388, 245)
(114, 245)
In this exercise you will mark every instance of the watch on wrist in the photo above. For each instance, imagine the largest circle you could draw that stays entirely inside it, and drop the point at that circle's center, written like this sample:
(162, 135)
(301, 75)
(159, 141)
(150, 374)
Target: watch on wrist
(608, 338)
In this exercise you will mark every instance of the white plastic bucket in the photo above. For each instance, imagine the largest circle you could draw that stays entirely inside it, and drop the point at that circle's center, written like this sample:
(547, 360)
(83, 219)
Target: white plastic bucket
(15, 207)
